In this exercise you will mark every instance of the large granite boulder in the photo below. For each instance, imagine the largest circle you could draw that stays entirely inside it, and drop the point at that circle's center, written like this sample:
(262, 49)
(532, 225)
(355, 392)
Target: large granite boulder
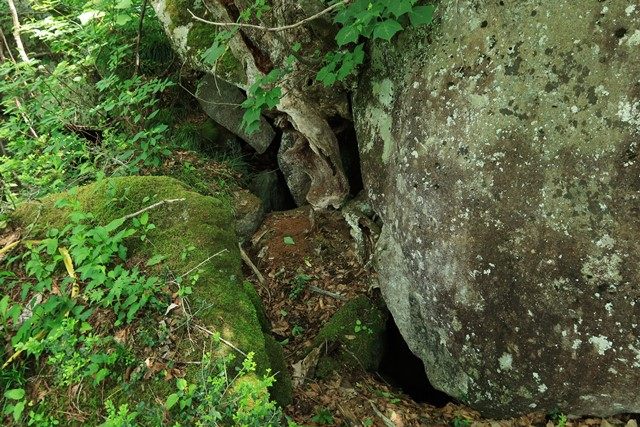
(501, 151)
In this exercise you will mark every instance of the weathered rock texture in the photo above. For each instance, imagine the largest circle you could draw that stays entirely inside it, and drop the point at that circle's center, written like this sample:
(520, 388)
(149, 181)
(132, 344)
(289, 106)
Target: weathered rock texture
(221, 101)
(501, 151)
(305, 104)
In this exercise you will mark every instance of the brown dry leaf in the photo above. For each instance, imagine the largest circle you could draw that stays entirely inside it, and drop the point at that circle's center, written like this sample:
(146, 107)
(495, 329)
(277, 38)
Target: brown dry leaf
(396, 419)
(122, 335)
(7, 243)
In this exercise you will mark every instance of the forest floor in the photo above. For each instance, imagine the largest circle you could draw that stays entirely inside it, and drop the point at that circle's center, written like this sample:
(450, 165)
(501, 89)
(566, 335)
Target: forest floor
(310, 268)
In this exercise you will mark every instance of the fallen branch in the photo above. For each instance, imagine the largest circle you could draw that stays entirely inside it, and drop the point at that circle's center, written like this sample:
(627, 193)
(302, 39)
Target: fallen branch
(230, 344)
(251, 265)
(387, 422)
(153, 206)
(318, 290)
(203, 262)
(272, 29)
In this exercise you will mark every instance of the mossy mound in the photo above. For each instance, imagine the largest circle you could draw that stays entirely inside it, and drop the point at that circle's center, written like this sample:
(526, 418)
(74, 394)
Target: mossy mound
(353, 337)
(193, 233)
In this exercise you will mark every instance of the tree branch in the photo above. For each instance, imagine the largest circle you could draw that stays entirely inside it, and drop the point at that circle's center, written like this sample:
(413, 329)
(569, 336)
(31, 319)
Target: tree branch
(16, 31)
(143, 10)
(272, 29)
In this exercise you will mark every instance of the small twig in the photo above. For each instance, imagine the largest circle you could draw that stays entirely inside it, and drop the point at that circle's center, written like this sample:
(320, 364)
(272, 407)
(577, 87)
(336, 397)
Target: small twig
(387, 422)
(272, 29)
(153, 206)
(251, 265)
(143, 10)
(203, 263)
(318, 290)
(255, 270)
(230, 344)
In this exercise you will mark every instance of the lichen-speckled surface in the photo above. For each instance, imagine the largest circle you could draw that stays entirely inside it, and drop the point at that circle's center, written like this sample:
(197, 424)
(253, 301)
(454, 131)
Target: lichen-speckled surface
(501, 151)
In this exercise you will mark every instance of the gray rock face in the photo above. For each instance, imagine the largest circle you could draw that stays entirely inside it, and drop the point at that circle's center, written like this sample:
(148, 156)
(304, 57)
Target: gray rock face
(501, 151)
(221, 101)
(295, 165)
(249, 213)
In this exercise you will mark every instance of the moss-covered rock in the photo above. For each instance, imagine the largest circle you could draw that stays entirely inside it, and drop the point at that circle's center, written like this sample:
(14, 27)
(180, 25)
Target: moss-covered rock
(220, 301)
(353, 337)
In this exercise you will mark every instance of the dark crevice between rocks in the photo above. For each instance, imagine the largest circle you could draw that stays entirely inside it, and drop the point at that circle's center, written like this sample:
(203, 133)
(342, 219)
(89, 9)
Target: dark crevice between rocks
(404, 370)
(349, 153)
(266, 180)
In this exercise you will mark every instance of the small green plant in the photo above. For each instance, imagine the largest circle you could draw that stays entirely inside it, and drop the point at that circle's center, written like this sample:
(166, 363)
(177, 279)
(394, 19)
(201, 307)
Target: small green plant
(15, 403)
(361, 327)
(119, 417)
(367, 422)
(559, 419)
(297, 330)
(459, 421)
(298, 284)
(323, 417)
(389, 396)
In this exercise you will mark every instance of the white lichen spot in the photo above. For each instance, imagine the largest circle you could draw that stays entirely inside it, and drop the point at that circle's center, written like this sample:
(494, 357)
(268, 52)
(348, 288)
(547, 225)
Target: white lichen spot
(506, 362)
(181, 37)
(634, 39)
(576, 344)
(606, 242)
(601, 343)
(542, 388)
(609, 307)
(636, 364)
(630, 9)
(384, 92)
(575, 109)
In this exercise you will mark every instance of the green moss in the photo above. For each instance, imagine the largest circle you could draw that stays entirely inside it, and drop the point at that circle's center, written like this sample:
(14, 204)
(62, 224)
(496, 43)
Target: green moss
(221, 301)
(282, 390)
(360, 349)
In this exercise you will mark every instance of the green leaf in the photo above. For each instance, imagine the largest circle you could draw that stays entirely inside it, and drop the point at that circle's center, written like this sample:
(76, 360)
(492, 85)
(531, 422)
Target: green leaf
(422, 15)
(17, 410)
(347, 35)
(288, 240)
(101, 375)
(181, 384)
(123, 4)
(387, 29)
(14, 394)
(114, 225)
(122, 19)
(172, 399)
(156, 259)
(400, 7)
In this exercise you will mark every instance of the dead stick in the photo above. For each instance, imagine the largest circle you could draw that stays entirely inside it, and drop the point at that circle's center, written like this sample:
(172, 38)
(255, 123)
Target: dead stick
(203, 329)
(153, 206)
(272, 29)
(324, 292)
(251, 265)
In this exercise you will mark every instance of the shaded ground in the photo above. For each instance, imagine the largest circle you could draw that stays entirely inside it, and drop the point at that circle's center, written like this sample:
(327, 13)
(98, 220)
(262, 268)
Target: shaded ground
(300, 255)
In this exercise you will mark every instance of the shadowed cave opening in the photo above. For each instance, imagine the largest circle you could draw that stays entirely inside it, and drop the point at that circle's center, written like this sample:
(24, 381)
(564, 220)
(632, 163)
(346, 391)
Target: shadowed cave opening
(404, 370)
